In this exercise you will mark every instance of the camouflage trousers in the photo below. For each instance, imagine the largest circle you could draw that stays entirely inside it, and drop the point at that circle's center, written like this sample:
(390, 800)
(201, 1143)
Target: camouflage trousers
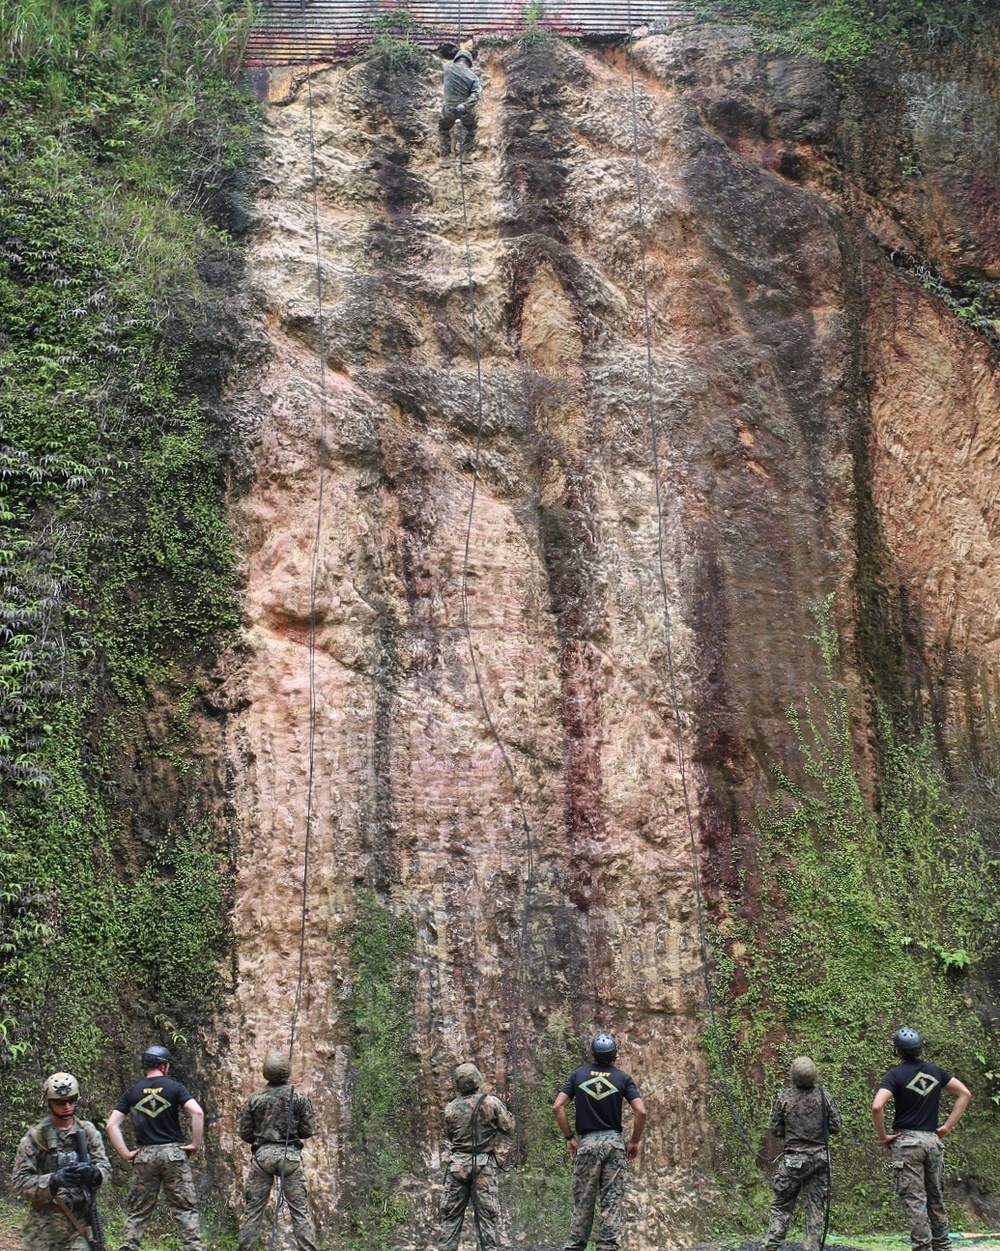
(918, 1173)
(799, 1173)
(455, 1199)
(166, 1165)
(449, 116)
(51, 1231)
(267, 1165)
(599, 1172)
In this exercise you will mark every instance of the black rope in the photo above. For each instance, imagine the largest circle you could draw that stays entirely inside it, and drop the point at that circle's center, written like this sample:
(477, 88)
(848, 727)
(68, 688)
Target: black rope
(313, 580)
(828, 1197)
(515, 1016)
(654, 436)
(474, 1173)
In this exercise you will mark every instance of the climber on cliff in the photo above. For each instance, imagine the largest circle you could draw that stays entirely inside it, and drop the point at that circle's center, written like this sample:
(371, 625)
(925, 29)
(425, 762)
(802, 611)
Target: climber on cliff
(917, 1141)
(804, 1116)
(472, 1123)
(462, 90)
(162, 1158)
(596, 1146)
(275, 1120)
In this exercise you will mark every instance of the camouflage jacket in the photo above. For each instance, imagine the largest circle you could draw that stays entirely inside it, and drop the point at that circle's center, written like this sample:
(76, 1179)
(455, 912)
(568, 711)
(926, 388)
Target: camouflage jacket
(797, 1116)
(461, 85)
(264, 1116)
(42, 1150)
(492, 1119)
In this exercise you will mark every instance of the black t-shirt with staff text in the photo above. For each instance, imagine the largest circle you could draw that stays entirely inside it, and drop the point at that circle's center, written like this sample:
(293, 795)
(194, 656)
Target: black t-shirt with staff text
(916, 1089)
(154, 1104)
(598, 1091)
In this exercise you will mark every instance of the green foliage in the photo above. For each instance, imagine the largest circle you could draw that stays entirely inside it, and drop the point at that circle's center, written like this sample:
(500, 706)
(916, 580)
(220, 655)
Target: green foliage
(173, 928)
(534, 35)
(393, 46)
(869, 919)
(384, 1105)
(843, 33)
(190, 37)
(121, 140)
(539, 1191)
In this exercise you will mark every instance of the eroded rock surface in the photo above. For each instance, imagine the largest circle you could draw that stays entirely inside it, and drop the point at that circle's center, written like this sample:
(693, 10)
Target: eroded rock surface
(822, 425)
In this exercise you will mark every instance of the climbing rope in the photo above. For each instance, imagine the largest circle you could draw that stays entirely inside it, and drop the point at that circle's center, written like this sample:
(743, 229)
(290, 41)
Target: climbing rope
(513, 1058)
(313, 580)
(661, 576)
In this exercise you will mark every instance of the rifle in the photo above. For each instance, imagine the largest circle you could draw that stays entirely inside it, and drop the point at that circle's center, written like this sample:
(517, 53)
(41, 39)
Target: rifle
(96, 1238)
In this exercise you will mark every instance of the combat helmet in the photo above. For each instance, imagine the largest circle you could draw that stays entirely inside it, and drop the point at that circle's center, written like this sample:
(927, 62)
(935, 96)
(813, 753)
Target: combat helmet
(468, 1079)
(61, 1086)
(604, 1049)
(156, 1055)
(908, 1042)
(463, 55)
(277, 1067)
(803, 1073)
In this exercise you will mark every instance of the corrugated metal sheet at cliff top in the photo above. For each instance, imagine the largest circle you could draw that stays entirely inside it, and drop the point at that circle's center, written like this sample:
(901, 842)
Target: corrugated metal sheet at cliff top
(291, 32)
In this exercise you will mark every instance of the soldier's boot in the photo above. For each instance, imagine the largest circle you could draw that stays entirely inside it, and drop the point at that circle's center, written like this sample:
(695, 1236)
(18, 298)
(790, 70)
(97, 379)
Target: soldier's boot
(469, 142)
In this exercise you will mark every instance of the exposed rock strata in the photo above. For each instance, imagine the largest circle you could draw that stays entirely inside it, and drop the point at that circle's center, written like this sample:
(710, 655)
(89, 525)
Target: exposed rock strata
(818, 415)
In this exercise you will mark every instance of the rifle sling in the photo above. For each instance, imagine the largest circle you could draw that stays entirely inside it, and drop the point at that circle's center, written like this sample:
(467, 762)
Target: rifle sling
(68, 1213)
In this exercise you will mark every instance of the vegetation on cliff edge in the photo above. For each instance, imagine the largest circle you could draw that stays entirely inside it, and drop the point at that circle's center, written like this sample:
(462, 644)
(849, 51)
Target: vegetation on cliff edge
(868, 920)
(843, 33)
(122, 146)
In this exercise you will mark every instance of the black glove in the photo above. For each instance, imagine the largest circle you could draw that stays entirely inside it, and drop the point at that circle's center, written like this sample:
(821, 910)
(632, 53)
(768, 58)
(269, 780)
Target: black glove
(90, 1175)
(65, 1177)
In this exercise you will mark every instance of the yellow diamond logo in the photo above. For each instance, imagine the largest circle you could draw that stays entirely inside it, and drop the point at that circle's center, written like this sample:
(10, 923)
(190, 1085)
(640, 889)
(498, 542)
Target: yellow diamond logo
(152, 1104)
(922, 1084)
(598, 1087)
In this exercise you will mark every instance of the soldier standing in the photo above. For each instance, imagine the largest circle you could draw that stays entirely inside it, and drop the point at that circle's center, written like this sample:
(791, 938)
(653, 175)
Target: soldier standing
(471, 1125)
(275, 1120)
(597, 1148)
(917, 1141)
(55, 1160)
(804, 1117)
(162, 1156)
(462, 90)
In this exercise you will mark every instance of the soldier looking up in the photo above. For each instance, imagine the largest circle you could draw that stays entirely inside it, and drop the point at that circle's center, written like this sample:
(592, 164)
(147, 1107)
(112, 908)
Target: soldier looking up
(276, 1120)
(804, 1116)
(597, 1148)
(471, 1125)
(162, 1156)
(917, 1141)
(49, 1171)
(462, 90)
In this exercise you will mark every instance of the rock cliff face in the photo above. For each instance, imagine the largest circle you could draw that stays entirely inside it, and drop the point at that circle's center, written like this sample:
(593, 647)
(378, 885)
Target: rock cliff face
(459, 497)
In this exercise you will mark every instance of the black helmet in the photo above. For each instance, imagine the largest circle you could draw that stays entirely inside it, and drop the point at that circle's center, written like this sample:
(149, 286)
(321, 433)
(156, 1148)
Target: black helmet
(604, 1049)
(908, 1042)
(156, 1055)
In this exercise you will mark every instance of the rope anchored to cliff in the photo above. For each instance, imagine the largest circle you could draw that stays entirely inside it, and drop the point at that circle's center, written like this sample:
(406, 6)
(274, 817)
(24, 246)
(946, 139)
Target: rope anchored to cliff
(515, 1015)
(661, 577)
(313, 579)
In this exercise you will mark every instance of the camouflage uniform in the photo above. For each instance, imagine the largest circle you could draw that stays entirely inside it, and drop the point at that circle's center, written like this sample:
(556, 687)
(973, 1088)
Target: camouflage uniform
(918, 1173)
(163, 1164)
(266, 1124)
(599, 1171)
(492, 1119)
(40, 1152)
(797, 1117)
(462, 90)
